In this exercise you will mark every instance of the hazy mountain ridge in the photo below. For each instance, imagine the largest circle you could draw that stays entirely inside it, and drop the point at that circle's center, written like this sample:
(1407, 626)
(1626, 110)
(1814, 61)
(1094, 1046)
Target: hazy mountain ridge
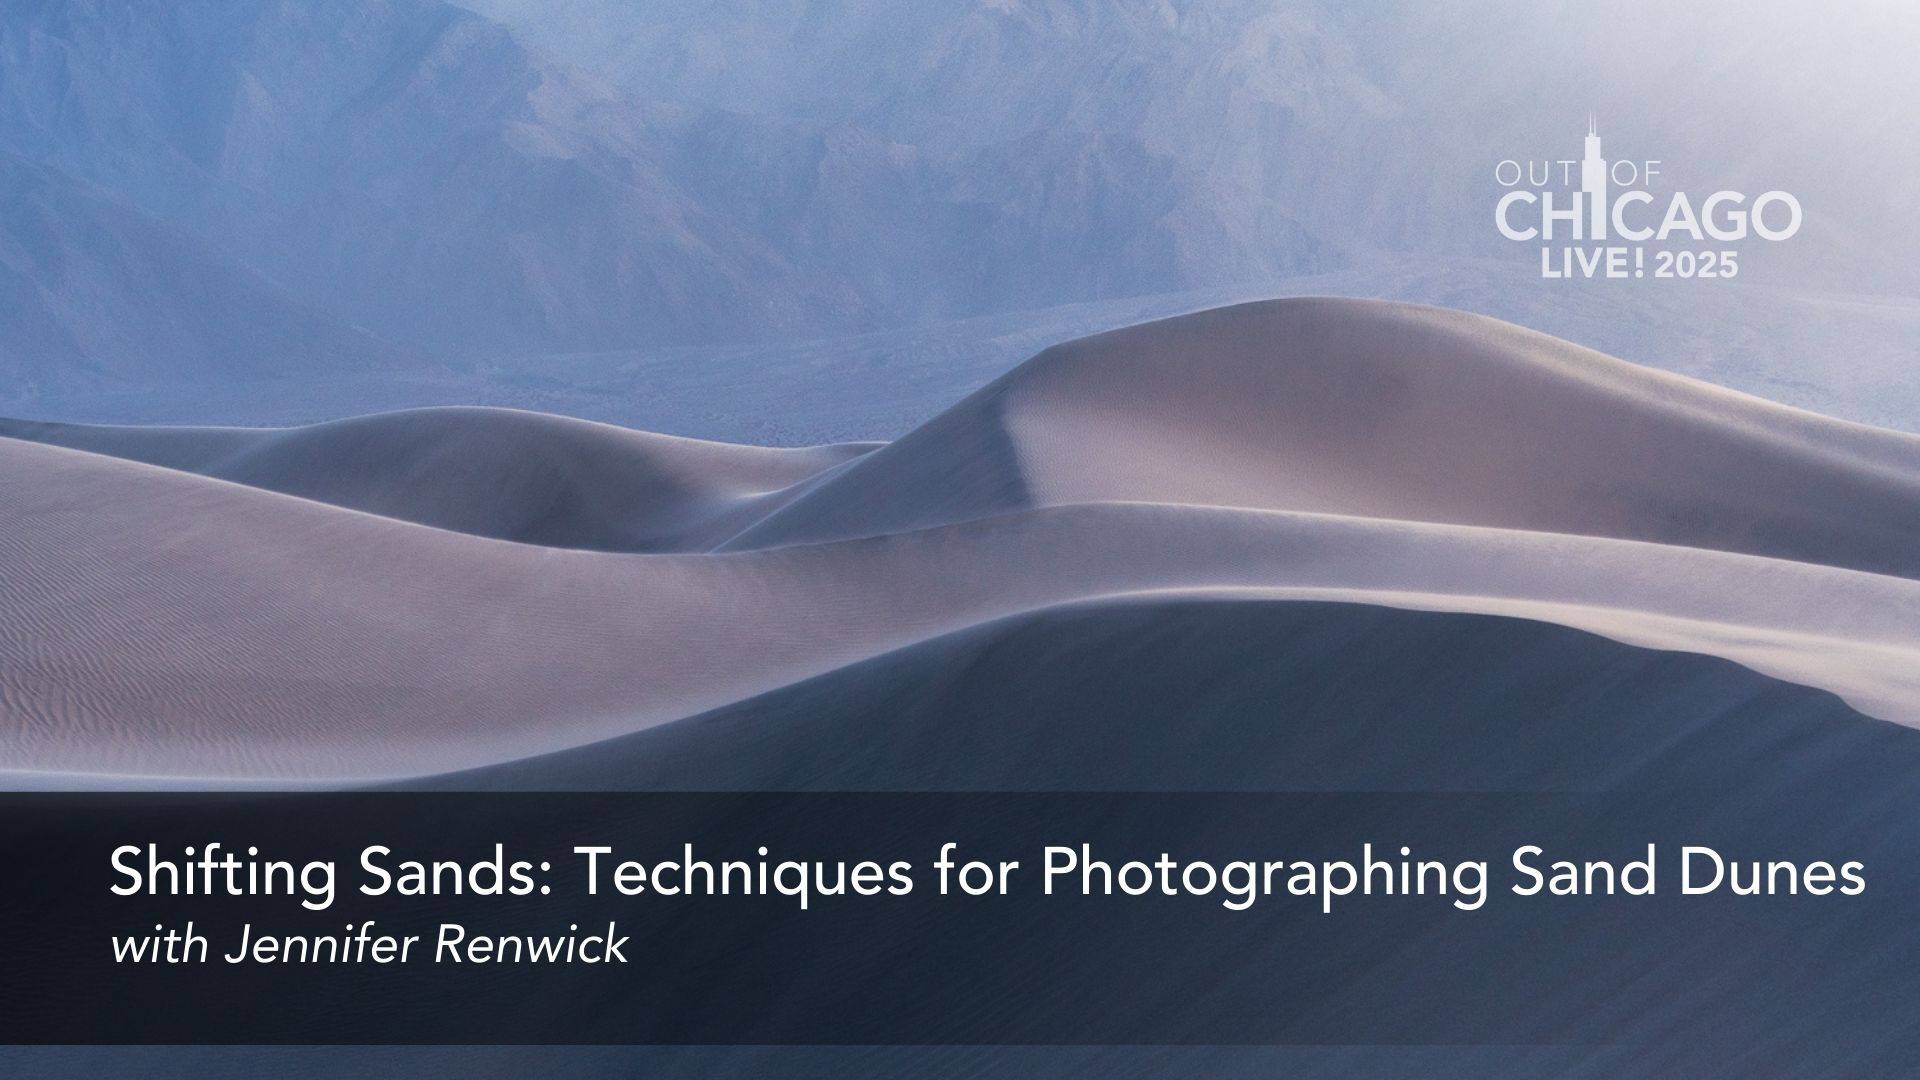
(1378, 125)
(411, 168)
(737, 190)
(95, 294)
(406, 164)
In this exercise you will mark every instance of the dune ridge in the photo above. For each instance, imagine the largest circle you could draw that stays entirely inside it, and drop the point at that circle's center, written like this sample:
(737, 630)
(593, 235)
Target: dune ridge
(417, 593)
(1397, 412)
(1300, 695)
(501, 473)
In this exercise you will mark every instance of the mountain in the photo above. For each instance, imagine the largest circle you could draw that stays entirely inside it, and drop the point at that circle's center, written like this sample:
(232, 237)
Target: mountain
(1374, 127)
(412, 168)
(687, 191)
(405, 165)
(98, 296)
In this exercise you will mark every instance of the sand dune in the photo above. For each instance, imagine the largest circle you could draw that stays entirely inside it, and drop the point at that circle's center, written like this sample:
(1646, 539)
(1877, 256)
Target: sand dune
(1397, 412)
(1293, 696)
(501, 473)
(417, 593)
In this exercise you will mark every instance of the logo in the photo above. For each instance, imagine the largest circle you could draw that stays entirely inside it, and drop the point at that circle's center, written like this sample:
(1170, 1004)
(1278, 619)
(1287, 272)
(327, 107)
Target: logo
(1612, 224)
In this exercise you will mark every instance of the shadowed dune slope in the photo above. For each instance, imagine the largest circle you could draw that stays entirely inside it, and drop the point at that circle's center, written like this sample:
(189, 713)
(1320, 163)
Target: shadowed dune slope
(339, 603)
(501, 473)
(1389, 411)
(1186, 695)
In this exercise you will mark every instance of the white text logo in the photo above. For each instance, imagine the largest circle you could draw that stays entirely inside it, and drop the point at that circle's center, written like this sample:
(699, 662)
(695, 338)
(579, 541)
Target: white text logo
(1595, 218)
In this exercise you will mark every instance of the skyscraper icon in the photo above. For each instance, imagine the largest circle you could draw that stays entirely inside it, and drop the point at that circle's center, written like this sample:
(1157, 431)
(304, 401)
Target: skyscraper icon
(1593, 183)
